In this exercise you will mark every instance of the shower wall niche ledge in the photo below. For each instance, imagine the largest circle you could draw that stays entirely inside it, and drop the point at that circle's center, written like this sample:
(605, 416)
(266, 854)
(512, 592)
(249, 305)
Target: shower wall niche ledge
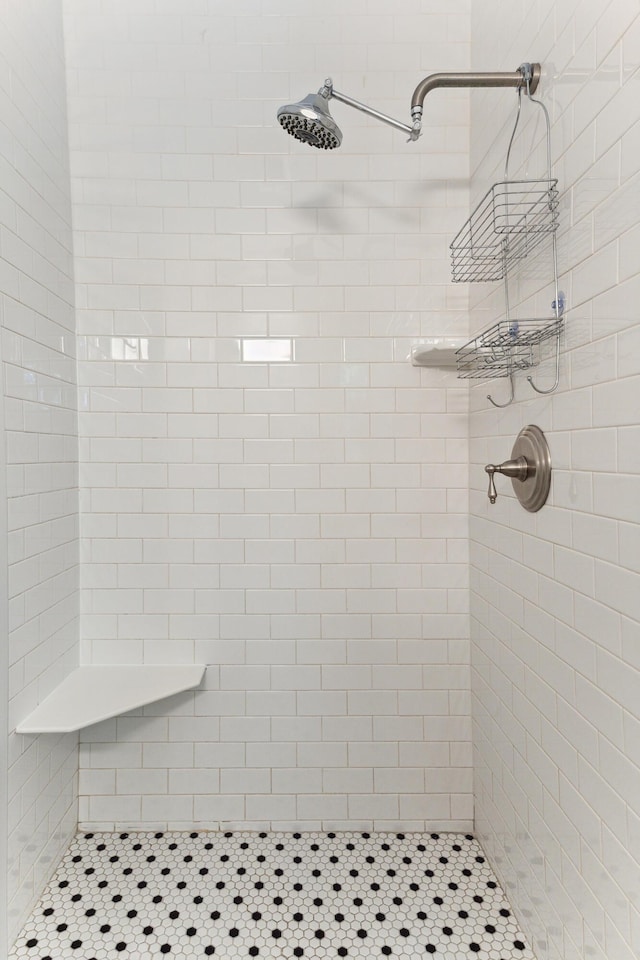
(437, 352)
(94, 693)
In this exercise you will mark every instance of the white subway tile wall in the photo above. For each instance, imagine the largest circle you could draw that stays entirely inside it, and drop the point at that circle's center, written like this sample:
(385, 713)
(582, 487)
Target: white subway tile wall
(555, 609)
(38, 421)
(324, 733)
(268, 485)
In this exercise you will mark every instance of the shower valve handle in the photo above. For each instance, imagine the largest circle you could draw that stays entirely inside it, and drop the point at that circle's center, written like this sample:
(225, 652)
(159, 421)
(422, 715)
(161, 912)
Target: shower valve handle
(518, 469)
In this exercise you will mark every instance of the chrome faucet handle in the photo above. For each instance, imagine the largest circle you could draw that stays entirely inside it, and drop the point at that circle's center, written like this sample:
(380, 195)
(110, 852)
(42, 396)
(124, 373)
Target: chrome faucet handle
(493, 493)
(518, 469)
(529, 469)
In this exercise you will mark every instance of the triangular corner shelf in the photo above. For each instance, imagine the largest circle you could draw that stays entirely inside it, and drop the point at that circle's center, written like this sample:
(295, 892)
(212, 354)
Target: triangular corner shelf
(94, 693)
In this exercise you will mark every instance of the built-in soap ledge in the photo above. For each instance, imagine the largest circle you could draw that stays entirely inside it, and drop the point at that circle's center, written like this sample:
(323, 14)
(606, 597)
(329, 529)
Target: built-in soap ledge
(436, 352)
(94, 693)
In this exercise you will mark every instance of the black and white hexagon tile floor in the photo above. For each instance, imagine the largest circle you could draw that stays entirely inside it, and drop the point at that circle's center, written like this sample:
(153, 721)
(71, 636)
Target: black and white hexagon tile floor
(133, 896)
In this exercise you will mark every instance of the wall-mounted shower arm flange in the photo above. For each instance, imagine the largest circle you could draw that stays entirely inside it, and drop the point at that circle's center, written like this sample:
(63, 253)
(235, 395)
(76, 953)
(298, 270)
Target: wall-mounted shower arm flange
(527, 75)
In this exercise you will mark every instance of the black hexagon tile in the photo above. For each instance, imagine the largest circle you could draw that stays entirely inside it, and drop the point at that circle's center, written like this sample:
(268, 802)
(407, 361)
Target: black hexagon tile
(133, 896)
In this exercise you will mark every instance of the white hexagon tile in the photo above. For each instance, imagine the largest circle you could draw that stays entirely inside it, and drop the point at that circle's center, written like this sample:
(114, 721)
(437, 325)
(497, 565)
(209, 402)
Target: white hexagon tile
(133, 896)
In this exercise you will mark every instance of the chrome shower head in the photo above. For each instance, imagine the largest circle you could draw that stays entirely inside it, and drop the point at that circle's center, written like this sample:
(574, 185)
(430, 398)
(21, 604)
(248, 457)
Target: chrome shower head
(310, 121)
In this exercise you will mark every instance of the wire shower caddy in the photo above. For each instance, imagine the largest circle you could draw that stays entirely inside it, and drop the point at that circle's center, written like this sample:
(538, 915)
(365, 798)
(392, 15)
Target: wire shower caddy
(510, 221)
(512, 218)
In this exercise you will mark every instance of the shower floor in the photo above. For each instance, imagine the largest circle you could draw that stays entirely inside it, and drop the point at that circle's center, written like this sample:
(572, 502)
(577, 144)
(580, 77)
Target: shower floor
(133, 896)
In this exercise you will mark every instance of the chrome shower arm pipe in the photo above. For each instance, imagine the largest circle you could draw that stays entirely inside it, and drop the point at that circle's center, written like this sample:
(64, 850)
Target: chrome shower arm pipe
(527, 74)
(371, 112)
(329, 92)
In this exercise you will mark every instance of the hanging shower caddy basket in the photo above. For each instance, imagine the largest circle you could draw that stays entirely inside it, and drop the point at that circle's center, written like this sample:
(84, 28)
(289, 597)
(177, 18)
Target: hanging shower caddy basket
(512, 218)
(506, 346)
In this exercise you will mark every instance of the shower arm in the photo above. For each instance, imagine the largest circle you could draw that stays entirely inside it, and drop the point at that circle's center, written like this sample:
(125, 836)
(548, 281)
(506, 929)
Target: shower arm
(527, 74)
(328, 92)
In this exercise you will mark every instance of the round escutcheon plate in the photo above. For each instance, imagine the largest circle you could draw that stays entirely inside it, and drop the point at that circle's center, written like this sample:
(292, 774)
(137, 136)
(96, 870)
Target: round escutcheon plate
(533, 492)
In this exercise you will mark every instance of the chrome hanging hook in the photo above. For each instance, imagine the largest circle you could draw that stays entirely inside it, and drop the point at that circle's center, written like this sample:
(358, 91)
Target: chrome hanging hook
(506, 300)
(510, 400)
(557, 378)
(558, 303)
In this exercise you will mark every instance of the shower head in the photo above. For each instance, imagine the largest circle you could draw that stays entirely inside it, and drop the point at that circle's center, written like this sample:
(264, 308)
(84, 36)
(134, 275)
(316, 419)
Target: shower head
(310, 121)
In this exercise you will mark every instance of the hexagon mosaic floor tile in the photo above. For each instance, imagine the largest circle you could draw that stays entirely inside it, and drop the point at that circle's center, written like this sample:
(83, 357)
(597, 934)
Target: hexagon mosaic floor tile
(133, 896)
